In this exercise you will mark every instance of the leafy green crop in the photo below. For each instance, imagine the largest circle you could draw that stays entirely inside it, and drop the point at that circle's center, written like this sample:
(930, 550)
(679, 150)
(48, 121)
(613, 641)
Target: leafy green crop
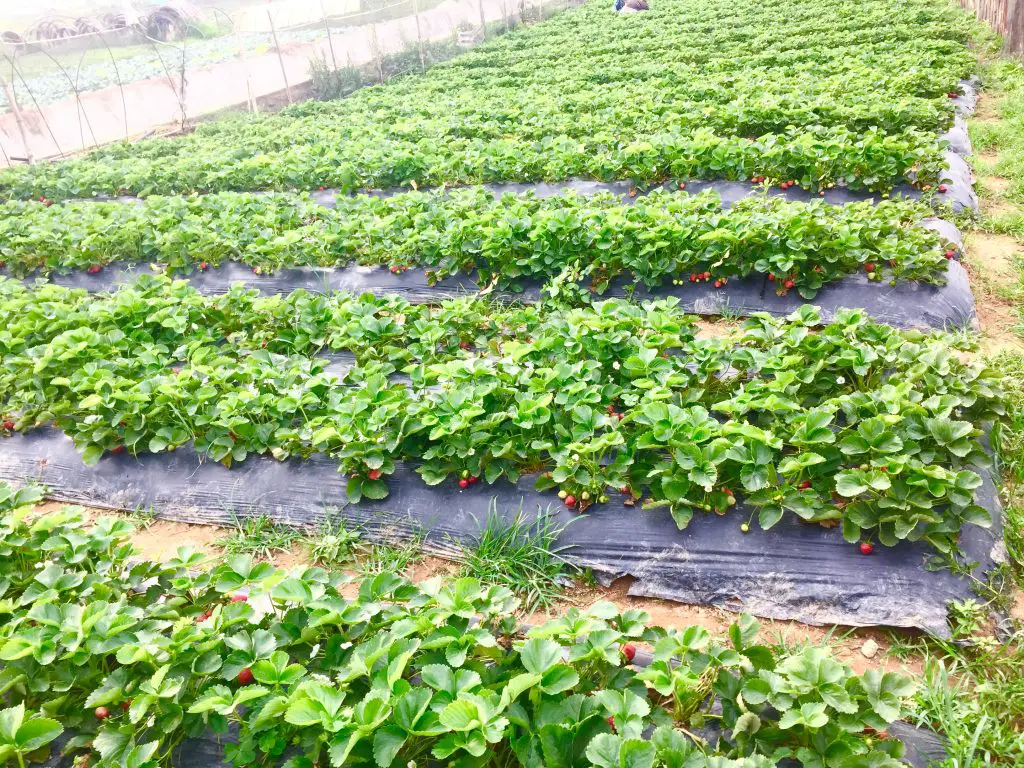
(694, 88)
(854, 422)
(506, 239)
(133, 657)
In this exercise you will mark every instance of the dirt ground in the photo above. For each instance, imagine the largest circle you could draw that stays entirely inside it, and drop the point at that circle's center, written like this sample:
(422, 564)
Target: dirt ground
(160, 539)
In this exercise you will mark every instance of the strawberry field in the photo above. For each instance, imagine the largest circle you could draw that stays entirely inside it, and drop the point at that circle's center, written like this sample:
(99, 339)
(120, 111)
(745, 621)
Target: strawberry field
(691, 89)
(673, 296)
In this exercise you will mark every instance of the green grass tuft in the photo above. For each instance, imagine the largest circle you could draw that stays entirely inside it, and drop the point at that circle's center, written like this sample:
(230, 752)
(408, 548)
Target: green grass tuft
(520, 554)
(260, 537)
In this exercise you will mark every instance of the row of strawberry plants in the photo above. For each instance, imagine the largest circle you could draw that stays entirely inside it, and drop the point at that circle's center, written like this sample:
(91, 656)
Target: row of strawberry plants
(858, 101)
(499, 239)
(131, 657)
(855, 423)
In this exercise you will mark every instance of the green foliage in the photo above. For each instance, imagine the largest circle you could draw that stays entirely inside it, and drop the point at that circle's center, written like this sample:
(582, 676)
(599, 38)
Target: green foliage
(522, 555)
(390, 556)
(1009, 445)
(972, 691)
(259, 537)
(691, 89)
(18, 499)
(853, 422)
(503, 239)
(332, 544)
(134, 656)
(330, 83)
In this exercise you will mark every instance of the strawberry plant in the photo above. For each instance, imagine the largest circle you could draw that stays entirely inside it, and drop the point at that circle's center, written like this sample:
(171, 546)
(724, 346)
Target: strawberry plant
(503, 239)
(396, 673)
(848, 422)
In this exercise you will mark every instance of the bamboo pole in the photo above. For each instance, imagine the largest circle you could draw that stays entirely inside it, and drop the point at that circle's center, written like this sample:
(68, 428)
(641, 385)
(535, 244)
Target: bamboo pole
(280, 56)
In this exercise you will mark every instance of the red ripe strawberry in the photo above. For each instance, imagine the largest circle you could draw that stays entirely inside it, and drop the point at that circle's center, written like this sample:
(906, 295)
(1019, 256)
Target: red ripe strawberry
(245, 677)
(204, 266)
(771, 278)
(682, 185)
(102, 713)
(373, 474)
(953, 94)
(239, 598)
(94, 269)
(805, 484)
(126, 704)
(949, 254)
(789, 283)
(625, 491)
(718, 283)
(570, 501)
(869, 268)
(611, 721)
(943, 188)
(693, 277)
(472, 479)
(866, 547)
(622, 415)
(9, 425)
(320, 189)
(463, 345)
(464, 483)
(629, 651)
(117, 449)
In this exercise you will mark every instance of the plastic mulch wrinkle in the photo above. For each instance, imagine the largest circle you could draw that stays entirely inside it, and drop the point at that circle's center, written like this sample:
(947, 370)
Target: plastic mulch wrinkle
(904, 305)
(792, 571)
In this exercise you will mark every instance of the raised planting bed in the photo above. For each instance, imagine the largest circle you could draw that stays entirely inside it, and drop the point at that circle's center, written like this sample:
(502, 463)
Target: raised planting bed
(249, 664)
(852, 434)
(719, 89)
(715, 254)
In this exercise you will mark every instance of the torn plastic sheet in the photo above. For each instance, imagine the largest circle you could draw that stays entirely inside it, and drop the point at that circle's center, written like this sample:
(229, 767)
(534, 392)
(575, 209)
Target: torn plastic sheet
(793, 571)
(904, 305)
